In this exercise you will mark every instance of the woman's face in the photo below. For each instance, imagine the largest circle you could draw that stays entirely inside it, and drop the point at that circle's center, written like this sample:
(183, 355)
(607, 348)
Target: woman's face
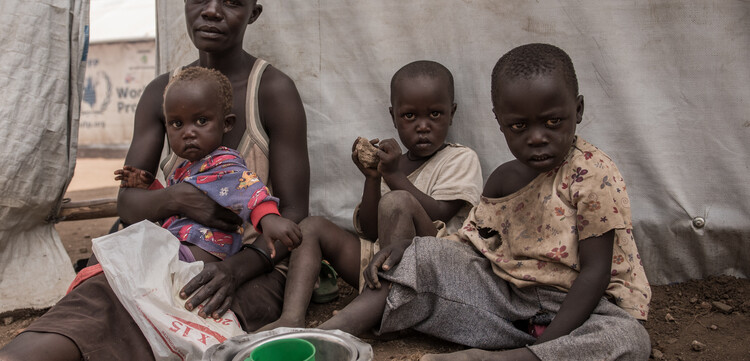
(219, 25)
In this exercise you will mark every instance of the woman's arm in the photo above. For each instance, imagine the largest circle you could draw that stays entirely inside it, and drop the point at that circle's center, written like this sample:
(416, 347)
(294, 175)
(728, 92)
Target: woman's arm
(283, 117)
(134, 205)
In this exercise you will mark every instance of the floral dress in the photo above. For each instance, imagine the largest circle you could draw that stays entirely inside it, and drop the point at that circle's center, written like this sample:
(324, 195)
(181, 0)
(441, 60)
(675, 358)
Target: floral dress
(531, 236)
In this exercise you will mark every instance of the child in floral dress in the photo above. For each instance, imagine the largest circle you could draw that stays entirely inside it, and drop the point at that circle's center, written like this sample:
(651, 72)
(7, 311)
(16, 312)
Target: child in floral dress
(546, 266)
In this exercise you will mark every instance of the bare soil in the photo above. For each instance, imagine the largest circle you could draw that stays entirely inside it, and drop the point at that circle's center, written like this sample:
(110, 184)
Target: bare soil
(697, 320)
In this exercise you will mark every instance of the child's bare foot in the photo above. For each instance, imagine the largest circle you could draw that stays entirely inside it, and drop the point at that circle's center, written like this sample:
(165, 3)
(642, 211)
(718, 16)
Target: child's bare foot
(358, 316)
(283, 322)
(475, 354)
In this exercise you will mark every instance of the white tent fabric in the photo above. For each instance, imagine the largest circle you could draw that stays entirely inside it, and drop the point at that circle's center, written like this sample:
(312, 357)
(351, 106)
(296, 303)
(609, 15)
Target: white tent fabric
(122, 20)
(665, 83)
(42, 67)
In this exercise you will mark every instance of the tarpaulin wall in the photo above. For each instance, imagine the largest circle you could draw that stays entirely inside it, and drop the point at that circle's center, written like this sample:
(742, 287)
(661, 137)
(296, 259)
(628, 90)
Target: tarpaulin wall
(116, 74)
(665, 85)
(121, 61)
(41, 71)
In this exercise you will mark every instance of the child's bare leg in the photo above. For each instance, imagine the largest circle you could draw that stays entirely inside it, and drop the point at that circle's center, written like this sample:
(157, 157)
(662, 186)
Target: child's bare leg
(32, 346)
(400, 216)
(201, 254)
(362, 314)
(519, 354)
(320, 238)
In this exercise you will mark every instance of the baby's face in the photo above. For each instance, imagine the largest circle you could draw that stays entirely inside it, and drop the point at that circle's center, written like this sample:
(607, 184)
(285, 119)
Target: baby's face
(195, 119)
(538, 117)
(422, 112)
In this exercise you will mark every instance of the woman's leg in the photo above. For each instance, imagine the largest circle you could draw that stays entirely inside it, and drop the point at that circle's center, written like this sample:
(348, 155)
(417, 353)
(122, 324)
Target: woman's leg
(89, 322)
(259, 301)
(42, 346)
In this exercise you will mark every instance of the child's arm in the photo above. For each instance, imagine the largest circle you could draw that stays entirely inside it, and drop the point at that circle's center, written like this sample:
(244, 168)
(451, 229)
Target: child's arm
(385, 259)
(278, 228)
(368, 207)
(131, 177)
(390, 155)
(595, 256)
(225, 178)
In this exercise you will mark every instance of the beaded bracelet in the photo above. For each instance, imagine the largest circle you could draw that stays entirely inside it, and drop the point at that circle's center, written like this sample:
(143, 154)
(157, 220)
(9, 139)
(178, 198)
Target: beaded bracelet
(265, 256)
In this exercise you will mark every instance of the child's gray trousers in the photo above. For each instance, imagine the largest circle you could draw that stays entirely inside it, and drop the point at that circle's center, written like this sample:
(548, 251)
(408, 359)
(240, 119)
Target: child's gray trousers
(448, 290)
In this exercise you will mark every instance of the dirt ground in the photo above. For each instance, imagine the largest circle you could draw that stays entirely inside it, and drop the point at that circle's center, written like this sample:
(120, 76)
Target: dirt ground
(696, 320)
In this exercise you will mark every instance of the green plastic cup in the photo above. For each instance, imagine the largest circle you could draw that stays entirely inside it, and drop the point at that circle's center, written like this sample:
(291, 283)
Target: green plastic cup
(286, 349)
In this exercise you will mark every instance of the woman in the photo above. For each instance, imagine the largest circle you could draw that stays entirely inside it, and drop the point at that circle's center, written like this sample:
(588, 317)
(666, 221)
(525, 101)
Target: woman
(270, 132)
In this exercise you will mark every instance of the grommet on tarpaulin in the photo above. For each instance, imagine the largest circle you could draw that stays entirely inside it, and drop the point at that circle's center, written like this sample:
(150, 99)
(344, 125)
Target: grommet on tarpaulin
(699, 222)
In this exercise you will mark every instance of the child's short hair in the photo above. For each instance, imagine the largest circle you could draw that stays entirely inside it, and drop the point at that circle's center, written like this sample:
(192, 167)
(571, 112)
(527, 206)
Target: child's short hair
(209, 75)
(428, 68)
(534, 59)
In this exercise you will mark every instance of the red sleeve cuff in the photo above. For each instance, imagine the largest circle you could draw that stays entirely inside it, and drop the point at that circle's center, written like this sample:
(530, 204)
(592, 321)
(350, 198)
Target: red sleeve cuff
(263, 209)
(155, 185)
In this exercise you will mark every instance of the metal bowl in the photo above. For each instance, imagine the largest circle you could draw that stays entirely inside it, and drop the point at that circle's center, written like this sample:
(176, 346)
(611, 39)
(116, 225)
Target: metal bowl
(330, 345)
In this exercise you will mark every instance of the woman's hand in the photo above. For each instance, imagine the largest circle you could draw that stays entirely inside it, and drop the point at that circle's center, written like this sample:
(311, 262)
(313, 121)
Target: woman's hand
(215, 283)
(196, 205)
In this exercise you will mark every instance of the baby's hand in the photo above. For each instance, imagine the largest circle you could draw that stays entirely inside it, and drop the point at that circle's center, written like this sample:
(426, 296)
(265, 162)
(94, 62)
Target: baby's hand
(131, 177)
(275, 228)
(367, 163)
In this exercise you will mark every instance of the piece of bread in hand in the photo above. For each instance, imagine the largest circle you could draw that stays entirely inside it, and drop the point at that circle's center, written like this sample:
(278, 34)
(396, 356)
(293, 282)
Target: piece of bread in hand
(367, 153)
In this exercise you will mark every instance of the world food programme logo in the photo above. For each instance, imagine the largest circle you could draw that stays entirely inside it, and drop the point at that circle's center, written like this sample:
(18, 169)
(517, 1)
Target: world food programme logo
(97, 91)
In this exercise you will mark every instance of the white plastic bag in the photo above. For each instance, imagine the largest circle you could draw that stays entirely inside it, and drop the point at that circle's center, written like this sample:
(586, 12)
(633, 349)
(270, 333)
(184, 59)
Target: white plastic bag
(142, 266)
